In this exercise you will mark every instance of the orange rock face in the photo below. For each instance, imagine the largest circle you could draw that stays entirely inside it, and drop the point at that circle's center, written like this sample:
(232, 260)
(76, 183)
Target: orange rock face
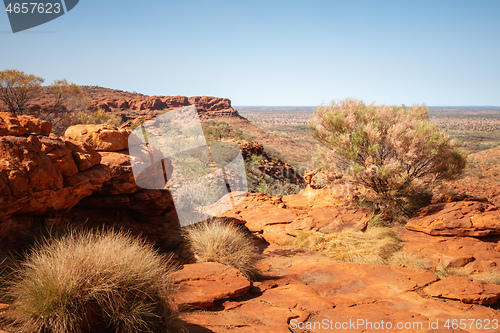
(41, 174)
(462, 218)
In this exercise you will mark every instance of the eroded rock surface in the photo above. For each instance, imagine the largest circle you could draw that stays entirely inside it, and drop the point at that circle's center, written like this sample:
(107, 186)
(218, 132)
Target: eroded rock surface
(300, 288)
(279, 219)
(40, 174)
(201, 284)
(101, 137)
(462, 218)
(466, 290)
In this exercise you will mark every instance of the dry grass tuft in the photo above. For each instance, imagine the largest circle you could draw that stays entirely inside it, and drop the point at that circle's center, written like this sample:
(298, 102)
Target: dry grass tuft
(101, 281)
(375, 246)
(215, 240)
(491, 276)
(403, 259)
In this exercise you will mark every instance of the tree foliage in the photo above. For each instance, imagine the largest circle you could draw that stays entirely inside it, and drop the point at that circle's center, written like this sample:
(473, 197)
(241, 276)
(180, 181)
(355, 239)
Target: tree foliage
(67, 100)
(17, 89)
(62, 101)
(394, 151)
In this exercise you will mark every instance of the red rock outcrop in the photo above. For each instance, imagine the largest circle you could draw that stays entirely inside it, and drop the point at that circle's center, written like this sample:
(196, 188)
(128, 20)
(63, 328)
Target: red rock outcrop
(462, 218)
(44, 177)
(120, 102)
(269, 166)
(101, 137)
(41, 174)
(10, 124)
(278, 219)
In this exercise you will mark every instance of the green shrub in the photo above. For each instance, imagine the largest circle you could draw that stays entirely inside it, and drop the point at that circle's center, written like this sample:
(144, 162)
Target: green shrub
(91, 282)
(97, 117)
(215, 240)
(220, 131)
(393, 151)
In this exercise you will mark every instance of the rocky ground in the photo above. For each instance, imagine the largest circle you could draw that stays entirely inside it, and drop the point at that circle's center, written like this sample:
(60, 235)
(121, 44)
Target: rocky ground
(87, 178)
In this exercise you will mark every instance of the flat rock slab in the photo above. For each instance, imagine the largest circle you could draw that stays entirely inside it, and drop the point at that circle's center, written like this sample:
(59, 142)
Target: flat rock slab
(465, 290)
(300, 289)
(200, 285)
(476, 255)
(462, 218)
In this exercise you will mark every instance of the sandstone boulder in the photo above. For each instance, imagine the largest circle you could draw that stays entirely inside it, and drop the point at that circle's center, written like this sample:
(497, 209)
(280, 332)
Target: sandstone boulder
(462, 218)
(100, 137)
(121, 191)
(201, 284)
(466, 290)
(35, 126)
(10, 124)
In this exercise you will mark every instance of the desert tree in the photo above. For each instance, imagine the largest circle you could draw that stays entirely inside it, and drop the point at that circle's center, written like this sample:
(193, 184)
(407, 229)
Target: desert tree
(395, 151)
(67, 102)
(17, 89)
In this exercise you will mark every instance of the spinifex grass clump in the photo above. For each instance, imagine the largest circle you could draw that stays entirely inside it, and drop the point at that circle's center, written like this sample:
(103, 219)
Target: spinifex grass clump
(375, 246)
(215, 240)
(91, 282)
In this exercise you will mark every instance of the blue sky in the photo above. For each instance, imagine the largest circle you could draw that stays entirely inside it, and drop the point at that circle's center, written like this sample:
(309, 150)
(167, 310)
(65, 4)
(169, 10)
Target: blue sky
(272, 52)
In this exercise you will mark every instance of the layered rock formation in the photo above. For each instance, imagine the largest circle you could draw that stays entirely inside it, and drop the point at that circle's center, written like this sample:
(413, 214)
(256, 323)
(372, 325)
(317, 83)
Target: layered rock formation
(131, 105)
(42, 174)
(279, 219)
(462, 218)
(66, 181)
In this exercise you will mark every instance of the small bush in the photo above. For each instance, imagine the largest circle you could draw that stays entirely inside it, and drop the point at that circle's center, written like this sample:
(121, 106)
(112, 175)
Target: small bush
(215, 240)
(375, 246)
(91, 282)
(97, 117)
(393, 151)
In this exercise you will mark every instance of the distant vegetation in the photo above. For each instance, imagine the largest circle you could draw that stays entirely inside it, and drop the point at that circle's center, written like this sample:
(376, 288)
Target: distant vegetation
(97, 117)
(264, 168)
(477, 128)
(19, 92)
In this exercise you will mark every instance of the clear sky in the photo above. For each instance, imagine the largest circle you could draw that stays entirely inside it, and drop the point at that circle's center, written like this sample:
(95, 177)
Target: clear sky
(272, 52)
